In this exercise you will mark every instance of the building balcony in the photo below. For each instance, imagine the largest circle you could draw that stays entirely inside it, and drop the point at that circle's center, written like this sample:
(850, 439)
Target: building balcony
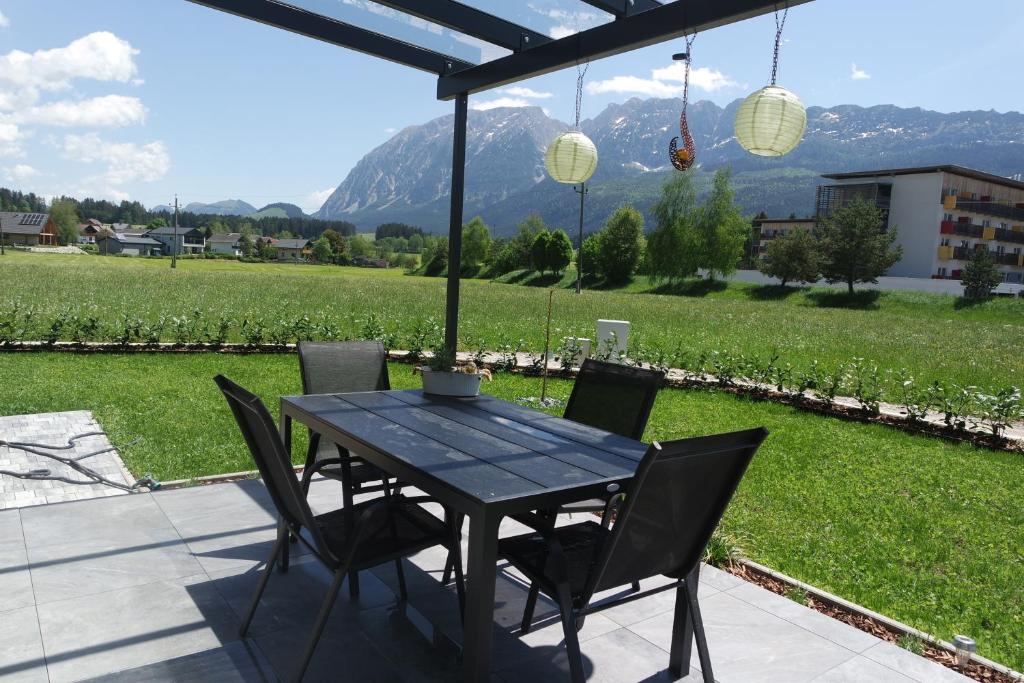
(1009, 235)
(1009, 259)
(988, 208)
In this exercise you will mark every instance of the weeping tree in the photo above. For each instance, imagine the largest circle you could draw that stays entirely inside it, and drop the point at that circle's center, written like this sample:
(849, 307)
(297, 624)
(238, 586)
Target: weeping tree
(674, 246)
(722, 228)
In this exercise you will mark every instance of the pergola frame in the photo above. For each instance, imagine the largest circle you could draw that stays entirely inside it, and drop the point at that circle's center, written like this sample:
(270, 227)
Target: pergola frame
(638, 23)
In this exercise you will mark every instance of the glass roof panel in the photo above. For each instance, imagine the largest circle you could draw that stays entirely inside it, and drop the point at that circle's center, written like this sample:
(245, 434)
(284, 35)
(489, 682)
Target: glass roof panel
(554, 18)
(404, 27)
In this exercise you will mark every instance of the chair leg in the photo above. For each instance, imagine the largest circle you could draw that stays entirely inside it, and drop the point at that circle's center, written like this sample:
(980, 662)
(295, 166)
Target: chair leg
(348, 502)
(682, 637)
(690, 588)
(572, 640)
(264, 577)
(449, 564)
(531, 605)
(403, 591)
(321, 621)
(284, 539)
(636, 586)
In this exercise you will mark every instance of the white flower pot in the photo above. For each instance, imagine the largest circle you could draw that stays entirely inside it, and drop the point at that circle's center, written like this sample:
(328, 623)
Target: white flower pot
(450, 383)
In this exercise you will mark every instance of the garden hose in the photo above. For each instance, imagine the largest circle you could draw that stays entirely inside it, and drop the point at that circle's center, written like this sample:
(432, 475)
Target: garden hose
(92, 477)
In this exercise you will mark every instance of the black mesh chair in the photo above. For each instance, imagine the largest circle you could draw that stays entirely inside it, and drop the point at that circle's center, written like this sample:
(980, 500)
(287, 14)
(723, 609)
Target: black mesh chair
(674, 503)
(347, 540)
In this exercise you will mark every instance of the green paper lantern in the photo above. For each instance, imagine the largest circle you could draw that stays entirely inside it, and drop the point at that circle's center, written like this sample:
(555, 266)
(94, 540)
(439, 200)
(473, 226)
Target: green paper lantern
(771, 122)
(571, 158)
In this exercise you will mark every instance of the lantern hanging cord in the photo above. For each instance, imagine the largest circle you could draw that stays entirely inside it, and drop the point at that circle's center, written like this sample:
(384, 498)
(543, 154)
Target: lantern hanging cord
(689, 60)
(779, 25)
(580, 73)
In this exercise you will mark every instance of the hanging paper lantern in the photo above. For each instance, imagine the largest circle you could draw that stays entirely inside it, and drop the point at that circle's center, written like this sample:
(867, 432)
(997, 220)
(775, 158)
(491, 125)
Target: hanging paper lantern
(771, 122)
(571, 158)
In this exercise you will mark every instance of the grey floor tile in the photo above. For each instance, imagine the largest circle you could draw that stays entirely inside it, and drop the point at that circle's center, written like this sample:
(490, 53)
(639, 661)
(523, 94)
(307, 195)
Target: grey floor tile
(611, 658)
(238, 662)
(746, 643)
(912, 666)
(815, 622)
(63, 571)
(634, 612)
(21, 647)
(718, 578)
(862, 670)
(120, 519)
(14, 571)
(99, 634)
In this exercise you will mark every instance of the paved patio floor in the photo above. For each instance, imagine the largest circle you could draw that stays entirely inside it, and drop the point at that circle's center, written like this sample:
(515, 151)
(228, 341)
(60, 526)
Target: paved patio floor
(150, 587)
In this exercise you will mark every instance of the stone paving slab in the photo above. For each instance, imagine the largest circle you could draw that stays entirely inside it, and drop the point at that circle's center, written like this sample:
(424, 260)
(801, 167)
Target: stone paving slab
(55, 429)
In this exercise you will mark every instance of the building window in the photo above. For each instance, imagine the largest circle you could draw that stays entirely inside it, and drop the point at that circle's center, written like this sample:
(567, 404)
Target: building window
(942, 272)
(986, 223)
(944, 242)
(947, 217)
(964, 244)
(1000, 249)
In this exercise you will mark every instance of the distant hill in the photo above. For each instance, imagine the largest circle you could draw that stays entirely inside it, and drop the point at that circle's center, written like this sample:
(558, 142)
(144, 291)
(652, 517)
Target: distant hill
(227, 207)
(407, 179)
(279, 210)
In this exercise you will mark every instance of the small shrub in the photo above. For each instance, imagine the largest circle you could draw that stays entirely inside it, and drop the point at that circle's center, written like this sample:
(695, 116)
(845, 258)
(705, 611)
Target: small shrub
(52, 334)
(999, 410)
(797, 594)
(916, 401)
(954, 402)
(218, 334)
(567, 353)
(866, 385)
(254, 332)
(911, 643)
(723, 550)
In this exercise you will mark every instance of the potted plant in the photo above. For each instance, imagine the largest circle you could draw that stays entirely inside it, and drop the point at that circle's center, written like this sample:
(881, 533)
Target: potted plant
(444, 376)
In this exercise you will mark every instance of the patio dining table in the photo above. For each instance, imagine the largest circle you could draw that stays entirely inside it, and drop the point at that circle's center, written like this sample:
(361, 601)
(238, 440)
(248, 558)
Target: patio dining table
(482, 457)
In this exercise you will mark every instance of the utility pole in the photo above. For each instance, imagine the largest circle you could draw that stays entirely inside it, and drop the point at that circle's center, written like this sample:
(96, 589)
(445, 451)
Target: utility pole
(174, 243)
(582, 192)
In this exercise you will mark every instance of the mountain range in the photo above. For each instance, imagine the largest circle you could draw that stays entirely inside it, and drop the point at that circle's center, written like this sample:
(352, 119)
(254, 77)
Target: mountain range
(407, 178)
(237, 207)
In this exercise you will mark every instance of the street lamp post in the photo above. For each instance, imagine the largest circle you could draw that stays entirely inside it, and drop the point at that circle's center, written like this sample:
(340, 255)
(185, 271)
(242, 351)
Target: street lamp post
(582, 192)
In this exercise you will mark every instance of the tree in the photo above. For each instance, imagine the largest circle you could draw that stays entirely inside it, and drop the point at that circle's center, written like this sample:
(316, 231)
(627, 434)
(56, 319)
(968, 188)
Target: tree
(359, 246)
(322, 251)
(521, 246)
(621, 244)
(722, 227)
(539, 251)
(65, 217)
(590, 255)
(156, 223)
(559, 251)
(245, 245)
(980, 276)
(856, 247)
(794, 256)
(208, 232)
(415, 243)
(339, 247)
(673, 247)
(476, 242)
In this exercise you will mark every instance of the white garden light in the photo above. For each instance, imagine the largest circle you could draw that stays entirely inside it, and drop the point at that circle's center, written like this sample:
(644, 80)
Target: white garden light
(571, 158)
(771, 121)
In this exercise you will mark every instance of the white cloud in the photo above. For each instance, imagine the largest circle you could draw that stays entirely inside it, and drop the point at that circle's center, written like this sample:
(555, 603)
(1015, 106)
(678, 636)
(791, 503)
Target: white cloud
(100, 56)
(4, 21)
(111, 110)
(10, 137)
(126, 162)
(529, 93)
(500, 102)
(568, 23)
(858, 74)
(19, 173)
(665, 82)
(316, 199)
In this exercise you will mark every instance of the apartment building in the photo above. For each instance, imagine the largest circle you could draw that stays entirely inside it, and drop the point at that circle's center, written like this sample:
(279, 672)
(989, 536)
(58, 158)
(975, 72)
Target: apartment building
(770, 228)
(944, 214)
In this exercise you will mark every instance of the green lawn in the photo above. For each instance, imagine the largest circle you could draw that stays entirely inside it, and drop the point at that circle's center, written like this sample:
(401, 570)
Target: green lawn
(914, 527)
(927, 334)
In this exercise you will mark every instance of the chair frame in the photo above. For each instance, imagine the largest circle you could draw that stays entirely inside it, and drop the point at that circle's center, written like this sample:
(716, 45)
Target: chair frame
(687, 623)
(374, 516)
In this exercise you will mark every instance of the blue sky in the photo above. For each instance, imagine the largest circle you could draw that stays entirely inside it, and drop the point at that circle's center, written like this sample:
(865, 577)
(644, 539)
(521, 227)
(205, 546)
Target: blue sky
(142, 99)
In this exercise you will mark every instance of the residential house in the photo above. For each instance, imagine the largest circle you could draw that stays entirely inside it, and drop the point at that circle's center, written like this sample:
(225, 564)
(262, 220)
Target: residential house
(230, 243)
(189, 240)
(132, 245)
(292, 249)
(28, 229)
(90, 230)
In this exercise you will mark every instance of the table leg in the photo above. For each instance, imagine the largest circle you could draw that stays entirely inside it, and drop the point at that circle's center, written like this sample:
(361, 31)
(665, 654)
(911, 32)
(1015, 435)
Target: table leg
(479, 624)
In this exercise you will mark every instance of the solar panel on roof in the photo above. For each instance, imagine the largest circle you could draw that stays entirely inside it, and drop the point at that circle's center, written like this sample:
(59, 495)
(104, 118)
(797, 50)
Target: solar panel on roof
(32, 219)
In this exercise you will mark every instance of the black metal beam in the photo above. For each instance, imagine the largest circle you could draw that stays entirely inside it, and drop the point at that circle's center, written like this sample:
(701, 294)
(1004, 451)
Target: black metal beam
(622, 8)
(451, 315)
(336, 32)
(629, 33)
(471, 21)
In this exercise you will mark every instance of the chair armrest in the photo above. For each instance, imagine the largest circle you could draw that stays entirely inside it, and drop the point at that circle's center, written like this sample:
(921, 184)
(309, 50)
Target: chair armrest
(308, 472)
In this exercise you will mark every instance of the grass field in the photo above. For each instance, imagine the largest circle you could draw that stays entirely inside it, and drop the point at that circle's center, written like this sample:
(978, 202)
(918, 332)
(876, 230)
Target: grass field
(927, 334)
(914, 527)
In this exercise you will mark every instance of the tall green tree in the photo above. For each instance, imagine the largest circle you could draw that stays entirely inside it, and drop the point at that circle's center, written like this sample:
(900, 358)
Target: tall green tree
(590, 255)
(981, 276)
(415, 243)
(322, 251)
(559, 251)
(476, 242)
(245, 245)
(795, 256)
(156, 223)
(855, 245)
(339, 246)
(65, 216)
(673, 247)
(722, 227)
(621, 244)
(539, 251)
(359, 246)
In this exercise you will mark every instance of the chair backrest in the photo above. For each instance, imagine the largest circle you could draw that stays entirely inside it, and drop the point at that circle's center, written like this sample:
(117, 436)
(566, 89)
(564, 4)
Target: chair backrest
(615, 398)
(341, 367)
(679, 494)
(267, 449)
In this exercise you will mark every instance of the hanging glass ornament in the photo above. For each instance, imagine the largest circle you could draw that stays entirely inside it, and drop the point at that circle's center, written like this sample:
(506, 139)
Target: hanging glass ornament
(683, 158)
(771, 122)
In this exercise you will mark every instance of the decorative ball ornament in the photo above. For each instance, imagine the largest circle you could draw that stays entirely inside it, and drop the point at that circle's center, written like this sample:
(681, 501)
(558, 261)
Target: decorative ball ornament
(771, 122)
(571, 158)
